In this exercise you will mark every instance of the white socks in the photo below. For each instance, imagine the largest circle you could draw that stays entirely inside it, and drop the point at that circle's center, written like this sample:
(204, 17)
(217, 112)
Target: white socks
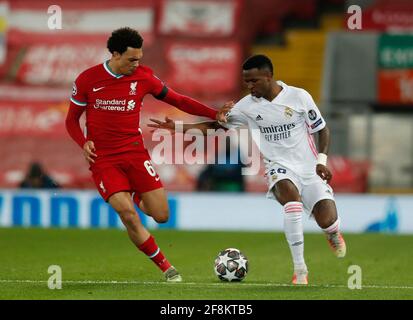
(333, 228)
(293, 228)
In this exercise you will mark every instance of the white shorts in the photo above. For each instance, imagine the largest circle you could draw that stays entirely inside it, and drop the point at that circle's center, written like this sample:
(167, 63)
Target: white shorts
(311, 190)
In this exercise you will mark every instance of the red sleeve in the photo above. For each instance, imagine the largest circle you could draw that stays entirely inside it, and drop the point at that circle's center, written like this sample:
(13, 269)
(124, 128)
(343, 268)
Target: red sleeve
(79, 96)
(188, 104)
(156, 84)
(78, 103)
(160, 91)
(73, 125)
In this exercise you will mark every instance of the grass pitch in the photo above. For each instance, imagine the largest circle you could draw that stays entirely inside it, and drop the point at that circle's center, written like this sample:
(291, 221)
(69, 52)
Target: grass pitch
(103, 264)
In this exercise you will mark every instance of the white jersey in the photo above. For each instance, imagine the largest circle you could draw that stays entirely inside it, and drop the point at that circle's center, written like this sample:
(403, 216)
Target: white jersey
(282, 128)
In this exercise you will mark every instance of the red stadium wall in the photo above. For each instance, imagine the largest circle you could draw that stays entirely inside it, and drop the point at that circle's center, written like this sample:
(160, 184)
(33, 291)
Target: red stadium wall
(197, 57)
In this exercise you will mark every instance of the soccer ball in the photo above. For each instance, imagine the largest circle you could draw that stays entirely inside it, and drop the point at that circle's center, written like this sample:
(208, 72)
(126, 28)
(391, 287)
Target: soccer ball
(231, 265)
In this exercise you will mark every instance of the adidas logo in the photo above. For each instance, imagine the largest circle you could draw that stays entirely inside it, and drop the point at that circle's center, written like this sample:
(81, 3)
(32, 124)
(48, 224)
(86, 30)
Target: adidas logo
(258, 118)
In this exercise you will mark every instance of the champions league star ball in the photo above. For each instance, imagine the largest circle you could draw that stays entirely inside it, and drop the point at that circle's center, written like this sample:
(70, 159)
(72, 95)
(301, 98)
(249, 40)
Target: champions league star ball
(231, 265)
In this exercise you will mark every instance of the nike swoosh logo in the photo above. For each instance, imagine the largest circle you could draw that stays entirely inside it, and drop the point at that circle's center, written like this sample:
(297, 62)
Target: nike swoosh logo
(97, 89)
(157, 179)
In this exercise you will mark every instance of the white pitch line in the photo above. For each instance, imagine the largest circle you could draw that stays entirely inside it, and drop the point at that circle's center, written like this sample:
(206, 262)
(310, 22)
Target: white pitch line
(227, 285)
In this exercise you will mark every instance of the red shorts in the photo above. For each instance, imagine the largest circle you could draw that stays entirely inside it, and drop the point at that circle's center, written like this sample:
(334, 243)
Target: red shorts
(130, 171)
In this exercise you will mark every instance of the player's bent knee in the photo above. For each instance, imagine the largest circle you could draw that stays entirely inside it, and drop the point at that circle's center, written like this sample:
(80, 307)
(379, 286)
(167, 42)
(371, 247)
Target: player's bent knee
(161, 216)
(325, 213)
(159, 211)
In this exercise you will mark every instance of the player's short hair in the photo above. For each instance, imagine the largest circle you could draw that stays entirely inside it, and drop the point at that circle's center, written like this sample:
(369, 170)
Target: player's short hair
(258, 61)
(123, 38)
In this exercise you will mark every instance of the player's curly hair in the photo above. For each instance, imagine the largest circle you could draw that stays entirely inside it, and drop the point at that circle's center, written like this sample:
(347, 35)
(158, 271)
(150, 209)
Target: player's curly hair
(258, 61)
(123, 38)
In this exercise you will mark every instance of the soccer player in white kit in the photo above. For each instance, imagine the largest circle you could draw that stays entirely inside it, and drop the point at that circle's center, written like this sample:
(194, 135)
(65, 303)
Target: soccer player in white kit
(282, 120)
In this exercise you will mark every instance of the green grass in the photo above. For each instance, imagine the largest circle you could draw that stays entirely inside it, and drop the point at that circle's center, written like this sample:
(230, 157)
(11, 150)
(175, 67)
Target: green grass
(92, 259)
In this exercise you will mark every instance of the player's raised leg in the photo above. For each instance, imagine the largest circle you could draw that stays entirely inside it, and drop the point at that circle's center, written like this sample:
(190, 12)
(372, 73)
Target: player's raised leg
(153, 203)
(325, 213)
(143, 240)
(287, 195)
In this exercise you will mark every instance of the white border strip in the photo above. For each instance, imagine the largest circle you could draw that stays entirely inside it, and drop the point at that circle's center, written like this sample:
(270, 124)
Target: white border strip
(200, 284)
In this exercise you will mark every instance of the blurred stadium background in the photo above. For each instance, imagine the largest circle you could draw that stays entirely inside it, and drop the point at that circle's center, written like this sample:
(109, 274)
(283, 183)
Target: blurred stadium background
(362, 81)
(197, 47)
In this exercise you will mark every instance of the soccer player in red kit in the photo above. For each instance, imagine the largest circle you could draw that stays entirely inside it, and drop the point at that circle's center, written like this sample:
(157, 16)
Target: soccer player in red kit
(111, 94)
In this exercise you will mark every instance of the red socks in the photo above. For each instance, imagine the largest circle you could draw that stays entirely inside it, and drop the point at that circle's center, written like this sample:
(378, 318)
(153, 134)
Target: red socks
(151, 249)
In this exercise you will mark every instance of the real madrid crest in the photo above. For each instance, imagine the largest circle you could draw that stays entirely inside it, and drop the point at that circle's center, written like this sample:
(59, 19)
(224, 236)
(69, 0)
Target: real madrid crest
(288, 112)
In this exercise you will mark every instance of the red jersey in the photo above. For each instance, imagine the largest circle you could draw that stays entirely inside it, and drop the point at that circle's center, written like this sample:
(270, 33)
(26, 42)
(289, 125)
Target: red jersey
(113, 104)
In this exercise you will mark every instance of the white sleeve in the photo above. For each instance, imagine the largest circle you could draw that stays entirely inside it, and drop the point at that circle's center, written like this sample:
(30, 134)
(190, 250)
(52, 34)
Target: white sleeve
(312, 114)
(235, 119)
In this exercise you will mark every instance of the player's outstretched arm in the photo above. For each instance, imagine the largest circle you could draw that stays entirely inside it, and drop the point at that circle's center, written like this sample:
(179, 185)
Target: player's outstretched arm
(193, 106)
(170, 125)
